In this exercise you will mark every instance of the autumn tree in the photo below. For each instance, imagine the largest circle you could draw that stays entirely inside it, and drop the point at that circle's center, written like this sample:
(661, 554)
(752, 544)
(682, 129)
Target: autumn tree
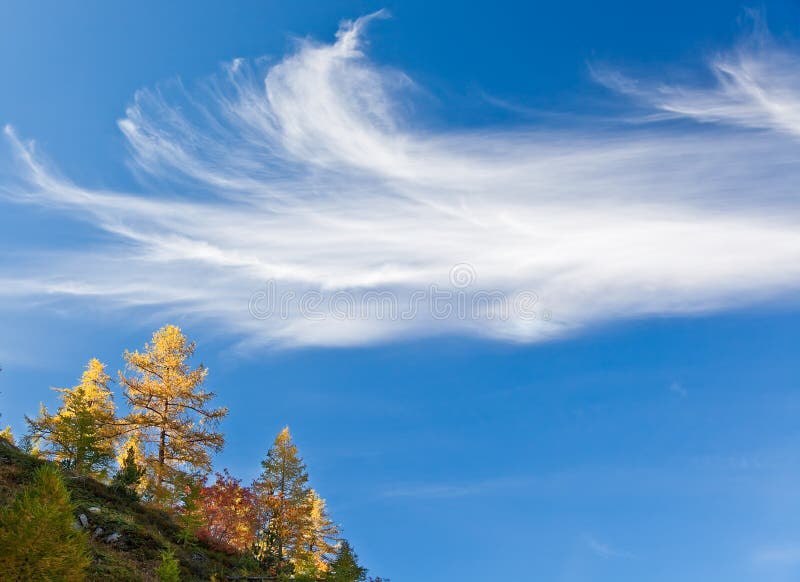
(170, 412)
(82, 433)
(284, 503)
(231, 515)
(296, 535)
(319, 540)
(345, 567)
(37, 537)
(8, 435)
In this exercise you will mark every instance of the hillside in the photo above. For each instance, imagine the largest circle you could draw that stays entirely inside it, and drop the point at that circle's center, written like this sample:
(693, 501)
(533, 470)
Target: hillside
(126, 537)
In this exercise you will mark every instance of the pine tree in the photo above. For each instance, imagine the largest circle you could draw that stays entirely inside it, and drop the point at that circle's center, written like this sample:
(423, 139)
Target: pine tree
(190, 514)
(170, 412)
(82, 433)
(169, 570)
(37, 537)
(284, 500)
(345, 567)
(131, 470)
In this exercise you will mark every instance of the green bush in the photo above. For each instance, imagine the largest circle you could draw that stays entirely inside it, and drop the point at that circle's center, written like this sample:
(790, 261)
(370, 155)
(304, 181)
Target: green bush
(169, 569)
(38, 537)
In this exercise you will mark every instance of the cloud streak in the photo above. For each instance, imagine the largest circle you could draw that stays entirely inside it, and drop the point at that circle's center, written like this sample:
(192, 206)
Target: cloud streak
(310, 173)
(754, 86)
(457, 490)
(604, 550)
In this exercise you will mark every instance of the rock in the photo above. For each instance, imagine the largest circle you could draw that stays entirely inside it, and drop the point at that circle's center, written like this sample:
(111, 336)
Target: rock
(84, 520)
(93, 509)
(198, 557)
(114, 537)
(76, 525)
(98, 532)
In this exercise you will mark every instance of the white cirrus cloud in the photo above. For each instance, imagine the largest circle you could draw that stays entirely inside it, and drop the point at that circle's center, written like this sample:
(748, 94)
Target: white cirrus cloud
(310, 173)
(777, 555)
(605, 550)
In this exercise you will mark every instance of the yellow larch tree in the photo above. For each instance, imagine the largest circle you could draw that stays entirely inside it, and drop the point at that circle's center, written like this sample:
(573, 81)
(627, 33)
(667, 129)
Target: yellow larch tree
(8, 435)
(320, 538)
(170, 412)
(283, 498)
(295, 535)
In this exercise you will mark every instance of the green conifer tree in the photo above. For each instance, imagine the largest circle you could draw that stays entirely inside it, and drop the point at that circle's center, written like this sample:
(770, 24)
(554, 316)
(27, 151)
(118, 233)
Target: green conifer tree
(169, 568)
(189, 513)
(345, 567)
(129, 475)
(38, 538)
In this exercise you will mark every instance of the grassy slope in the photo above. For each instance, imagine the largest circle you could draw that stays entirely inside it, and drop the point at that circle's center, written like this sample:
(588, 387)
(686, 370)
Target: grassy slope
(145, 531)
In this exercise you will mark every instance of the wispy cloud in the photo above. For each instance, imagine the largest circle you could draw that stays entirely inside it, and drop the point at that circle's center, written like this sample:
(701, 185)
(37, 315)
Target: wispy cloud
(754, 86)
(677, 388)
(778, 555)
(604, 550)
(455, 490)
(308, 173)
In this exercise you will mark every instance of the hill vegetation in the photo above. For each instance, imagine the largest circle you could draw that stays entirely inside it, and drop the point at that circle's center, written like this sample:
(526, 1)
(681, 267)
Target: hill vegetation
(94, 495)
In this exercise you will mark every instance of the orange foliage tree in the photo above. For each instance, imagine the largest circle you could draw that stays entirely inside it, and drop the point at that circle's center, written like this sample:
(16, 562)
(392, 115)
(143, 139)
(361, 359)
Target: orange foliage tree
(230, 513)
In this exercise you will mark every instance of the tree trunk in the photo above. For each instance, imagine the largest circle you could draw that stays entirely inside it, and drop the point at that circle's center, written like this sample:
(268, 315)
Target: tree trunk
(162, 449)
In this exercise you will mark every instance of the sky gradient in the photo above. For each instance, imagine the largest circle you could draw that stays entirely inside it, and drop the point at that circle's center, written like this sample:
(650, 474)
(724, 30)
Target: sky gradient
(634, 169)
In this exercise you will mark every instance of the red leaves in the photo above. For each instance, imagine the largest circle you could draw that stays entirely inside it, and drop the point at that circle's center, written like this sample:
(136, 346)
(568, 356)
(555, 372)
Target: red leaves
(231, 514)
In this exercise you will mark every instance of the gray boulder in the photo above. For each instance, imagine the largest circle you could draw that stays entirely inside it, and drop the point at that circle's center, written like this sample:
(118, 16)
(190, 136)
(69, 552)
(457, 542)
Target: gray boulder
(114, 537)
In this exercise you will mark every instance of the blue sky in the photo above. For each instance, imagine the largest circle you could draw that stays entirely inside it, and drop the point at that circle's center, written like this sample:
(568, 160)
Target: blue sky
(635, 167)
